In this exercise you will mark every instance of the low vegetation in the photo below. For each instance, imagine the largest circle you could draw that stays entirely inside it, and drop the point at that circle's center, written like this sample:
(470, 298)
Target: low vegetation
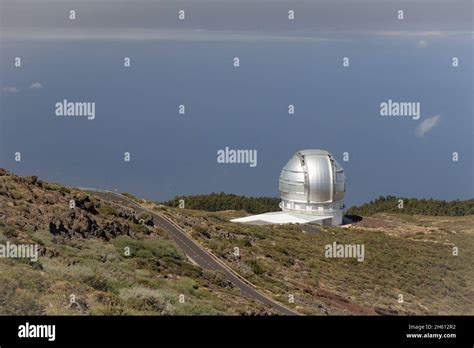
(413, 206)
(384, 204)
(225, 201)
(99, 258)
(425, 259)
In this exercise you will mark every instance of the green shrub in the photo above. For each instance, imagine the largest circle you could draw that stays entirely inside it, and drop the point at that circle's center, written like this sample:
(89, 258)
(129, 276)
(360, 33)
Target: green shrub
(147, 248)
(414, 206)
(255, 267)
(106, 209)
(145, 299)
(224, 201)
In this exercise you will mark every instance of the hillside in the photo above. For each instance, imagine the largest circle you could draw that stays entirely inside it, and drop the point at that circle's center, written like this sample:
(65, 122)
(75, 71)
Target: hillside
(83, 269)
(408, 255)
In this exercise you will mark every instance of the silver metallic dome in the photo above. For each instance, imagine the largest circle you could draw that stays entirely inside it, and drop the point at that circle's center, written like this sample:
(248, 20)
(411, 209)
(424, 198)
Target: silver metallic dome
(312, 187)
(312, 181)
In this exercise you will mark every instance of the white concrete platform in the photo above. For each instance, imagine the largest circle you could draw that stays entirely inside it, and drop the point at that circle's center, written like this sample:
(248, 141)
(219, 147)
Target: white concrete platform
(282, 217)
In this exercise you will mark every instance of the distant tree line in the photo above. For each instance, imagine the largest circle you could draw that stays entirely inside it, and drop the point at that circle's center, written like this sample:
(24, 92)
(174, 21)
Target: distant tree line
(383, 204)
(226, 201)
(414, 206)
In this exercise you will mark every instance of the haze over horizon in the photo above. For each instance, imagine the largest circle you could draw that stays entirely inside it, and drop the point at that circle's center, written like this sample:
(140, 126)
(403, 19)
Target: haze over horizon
(282, 62)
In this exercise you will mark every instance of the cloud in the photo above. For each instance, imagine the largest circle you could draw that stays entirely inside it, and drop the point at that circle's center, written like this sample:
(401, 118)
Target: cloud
(10, 89)
(204, 35)
(36, 85)
(142, 34)
(422, 44)
(428, 124)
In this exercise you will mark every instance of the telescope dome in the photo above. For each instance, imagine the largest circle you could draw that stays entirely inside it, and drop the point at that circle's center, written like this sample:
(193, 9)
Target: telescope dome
(312, 181)
(312, 188)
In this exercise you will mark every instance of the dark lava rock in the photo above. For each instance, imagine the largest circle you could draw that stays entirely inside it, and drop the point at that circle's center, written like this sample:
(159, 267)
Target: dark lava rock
(84, 202)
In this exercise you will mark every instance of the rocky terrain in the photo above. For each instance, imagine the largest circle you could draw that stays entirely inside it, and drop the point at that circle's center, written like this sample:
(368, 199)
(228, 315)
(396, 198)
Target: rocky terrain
(28, 202)
(103, 258)
(98, 258)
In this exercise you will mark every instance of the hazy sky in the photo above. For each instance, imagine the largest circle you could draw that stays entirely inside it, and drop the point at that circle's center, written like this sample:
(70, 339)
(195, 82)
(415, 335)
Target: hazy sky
(283, 62)
(248, 15)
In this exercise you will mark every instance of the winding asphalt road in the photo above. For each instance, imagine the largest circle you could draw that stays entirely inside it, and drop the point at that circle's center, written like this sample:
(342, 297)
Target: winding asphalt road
(193, 250)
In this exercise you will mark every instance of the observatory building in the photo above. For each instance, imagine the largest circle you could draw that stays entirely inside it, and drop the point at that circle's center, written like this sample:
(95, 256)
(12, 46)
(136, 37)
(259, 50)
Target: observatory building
(312, 187)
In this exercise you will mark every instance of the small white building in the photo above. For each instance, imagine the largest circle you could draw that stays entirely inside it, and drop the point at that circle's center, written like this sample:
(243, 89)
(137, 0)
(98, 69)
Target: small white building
(312, 187)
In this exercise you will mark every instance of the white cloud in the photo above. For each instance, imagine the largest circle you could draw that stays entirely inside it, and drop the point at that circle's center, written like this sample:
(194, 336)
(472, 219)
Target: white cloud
(422, 44)
(428, 124)
(10, 89)
(142, 34)
(199, 34)
(36, 85)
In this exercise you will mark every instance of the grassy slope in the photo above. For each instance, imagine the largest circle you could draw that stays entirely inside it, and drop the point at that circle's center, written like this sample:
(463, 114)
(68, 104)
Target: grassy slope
(413, 256)
(104, 281)
(409, 255)
(97, 272)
